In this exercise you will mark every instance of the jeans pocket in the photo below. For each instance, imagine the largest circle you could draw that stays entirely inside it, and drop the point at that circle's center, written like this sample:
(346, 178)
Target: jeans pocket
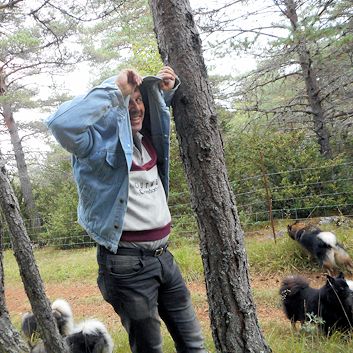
(122, 266)
(102, 286)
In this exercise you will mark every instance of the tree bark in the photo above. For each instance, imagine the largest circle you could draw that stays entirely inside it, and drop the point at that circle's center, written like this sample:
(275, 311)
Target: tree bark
(311, 82)
(10, 339)
(233, 318)
(25, 182)
(31, 279)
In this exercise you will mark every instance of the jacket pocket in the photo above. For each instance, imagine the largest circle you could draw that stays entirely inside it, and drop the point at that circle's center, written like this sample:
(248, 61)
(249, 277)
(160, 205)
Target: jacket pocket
(103, 166)
(112, 159)
(86, 198)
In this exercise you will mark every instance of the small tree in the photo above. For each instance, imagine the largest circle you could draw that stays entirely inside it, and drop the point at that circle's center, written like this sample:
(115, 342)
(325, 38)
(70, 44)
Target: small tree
(31, 279)
(10, 339)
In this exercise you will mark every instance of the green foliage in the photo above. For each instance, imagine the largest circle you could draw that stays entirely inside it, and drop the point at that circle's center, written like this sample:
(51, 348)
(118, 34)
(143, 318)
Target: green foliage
(179, 197)
(21, 40)
(184, 225)
(20, 98)
(56, 199)
(124, 39)
(178, 182)
(61, 224)
(311, 325)
(299, 180)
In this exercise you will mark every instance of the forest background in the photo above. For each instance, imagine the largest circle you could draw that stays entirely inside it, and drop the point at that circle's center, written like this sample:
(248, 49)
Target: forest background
(282, 79)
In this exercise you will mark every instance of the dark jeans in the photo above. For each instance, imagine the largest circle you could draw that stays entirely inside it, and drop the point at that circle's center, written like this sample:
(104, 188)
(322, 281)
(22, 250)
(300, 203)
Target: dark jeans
(143, 289)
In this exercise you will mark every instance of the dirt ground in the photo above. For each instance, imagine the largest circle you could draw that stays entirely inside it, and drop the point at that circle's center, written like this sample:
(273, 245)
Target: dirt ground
(86, 300)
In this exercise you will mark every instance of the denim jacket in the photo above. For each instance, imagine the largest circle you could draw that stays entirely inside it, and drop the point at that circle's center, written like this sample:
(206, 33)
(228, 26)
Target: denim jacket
(96, 129)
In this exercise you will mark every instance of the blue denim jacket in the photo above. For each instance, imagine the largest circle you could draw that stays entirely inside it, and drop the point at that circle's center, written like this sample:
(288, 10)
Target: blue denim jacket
(96, 129)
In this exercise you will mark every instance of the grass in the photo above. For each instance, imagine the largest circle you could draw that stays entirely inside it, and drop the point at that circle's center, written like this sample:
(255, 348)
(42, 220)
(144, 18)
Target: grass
(266, 258)
(268, 297)
(282, 340)
(57, 266)
(285, 255)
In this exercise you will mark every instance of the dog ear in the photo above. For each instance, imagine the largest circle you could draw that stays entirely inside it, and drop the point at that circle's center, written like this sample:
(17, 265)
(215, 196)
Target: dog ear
(289, 227)
(341, 275)
(329, 279)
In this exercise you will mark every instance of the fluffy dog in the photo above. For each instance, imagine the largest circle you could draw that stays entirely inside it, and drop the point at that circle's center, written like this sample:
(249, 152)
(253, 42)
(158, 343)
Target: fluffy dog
(323, 246)
(89, 336)
(62, 314)
(333, 302)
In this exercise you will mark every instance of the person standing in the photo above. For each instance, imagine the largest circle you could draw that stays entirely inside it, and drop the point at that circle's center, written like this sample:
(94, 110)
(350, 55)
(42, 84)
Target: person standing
(118, 134)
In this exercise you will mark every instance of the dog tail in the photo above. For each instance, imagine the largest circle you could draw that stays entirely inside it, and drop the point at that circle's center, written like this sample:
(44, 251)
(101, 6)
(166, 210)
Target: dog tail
(342, 258)
(292, 285)
(328, 238)
(337, 255)
(29, 325)
(93, 327)
(63, 314)
(350, 284)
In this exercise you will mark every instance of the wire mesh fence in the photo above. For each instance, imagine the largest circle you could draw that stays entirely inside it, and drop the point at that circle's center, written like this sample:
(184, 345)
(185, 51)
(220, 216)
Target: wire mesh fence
(291, 194)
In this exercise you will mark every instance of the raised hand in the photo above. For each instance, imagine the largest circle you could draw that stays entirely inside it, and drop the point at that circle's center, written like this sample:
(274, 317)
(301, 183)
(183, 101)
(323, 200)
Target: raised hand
(168, 76)
(127, 81)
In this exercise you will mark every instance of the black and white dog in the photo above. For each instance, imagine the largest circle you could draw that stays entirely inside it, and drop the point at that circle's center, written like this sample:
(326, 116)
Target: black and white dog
(89, 336)
(62, 314)
(333, 302)
(323, 246)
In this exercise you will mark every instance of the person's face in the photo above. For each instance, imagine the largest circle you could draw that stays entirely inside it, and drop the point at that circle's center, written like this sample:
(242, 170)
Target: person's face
(136, 111)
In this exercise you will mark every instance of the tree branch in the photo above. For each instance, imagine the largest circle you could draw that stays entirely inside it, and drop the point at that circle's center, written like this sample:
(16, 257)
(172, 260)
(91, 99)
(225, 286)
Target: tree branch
(10, 5)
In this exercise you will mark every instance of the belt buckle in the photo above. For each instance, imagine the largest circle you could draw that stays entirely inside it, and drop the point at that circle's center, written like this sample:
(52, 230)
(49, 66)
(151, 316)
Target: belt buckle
(158, 252)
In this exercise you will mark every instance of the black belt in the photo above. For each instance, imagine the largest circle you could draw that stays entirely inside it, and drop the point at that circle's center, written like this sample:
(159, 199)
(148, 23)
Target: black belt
(135, 251)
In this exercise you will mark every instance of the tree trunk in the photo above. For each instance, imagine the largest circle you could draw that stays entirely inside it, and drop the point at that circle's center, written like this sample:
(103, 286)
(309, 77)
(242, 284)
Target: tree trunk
(10, 339)
(311, 82)
(31, 279)
(233, 318)
(25, 182)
